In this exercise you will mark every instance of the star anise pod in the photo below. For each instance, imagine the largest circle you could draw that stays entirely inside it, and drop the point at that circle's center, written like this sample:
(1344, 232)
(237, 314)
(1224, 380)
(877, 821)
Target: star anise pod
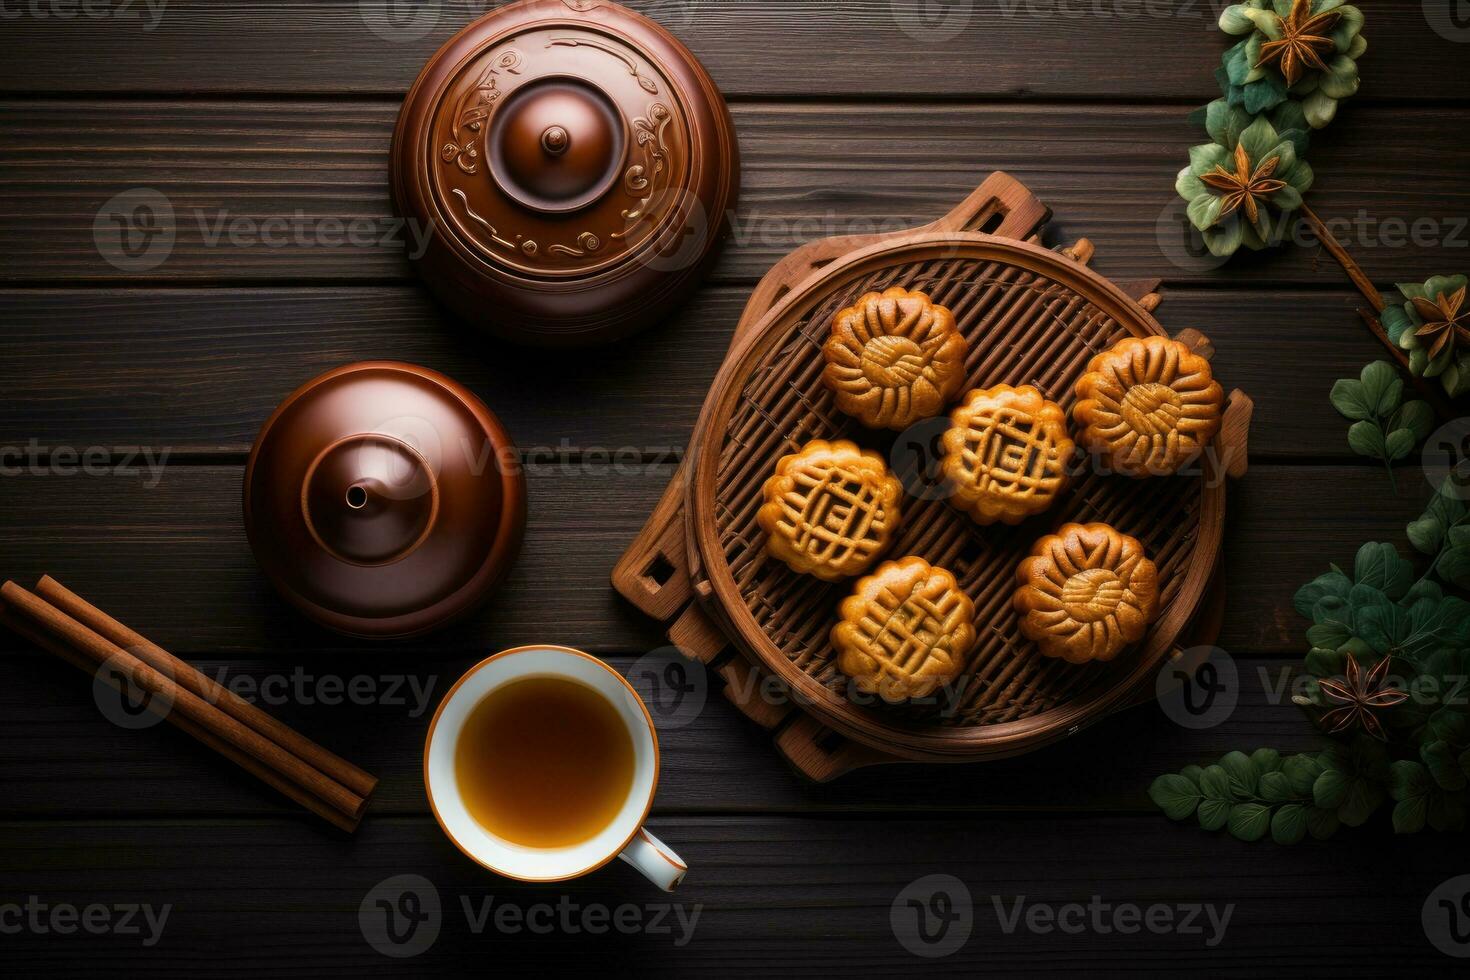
(1304, 40)
(1243, 187)
(1360, 695)
(1443, 321)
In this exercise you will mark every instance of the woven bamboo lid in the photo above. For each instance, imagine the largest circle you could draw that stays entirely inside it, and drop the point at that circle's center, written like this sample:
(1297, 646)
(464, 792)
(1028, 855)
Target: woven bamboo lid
(576, 164)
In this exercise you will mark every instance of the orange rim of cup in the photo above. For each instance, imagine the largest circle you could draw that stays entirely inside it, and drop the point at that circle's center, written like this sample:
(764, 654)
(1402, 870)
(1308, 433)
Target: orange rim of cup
(449, 696)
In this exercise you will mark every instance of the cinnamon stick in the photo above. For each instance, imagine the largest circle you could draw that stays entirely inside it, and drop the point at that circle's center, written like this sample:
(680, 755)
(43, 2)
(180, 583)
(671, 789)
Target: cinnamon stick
(210, 690)
(1349, 265)
(256, 769)
(93, 650)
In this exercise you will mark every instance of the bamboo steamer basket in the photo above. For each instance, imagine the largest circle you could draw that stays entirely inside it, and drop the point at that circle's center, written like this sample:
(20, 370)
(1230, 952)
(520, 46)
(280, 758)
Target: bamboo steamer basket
(1030, 315)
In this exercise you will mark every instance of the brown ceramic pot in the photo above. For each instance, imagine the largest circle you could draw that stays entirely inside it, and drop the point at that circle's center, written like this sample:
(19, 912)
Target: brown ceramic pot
(384, 499)
(577, 166)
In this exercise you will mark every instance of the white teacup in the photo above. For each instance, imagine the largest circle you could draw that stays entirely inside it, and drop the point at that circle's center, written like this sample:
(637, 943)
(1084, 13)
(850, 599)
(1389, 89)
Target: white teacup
(624, 837)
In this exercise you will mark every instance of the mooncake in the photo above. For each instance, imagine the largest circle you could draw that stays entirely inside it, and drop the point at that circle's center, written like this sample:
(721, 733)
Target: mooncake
(830, 509)
(905, 631)
(894, 358)
(1006, 454)
(1148, 406)
(1086, 592)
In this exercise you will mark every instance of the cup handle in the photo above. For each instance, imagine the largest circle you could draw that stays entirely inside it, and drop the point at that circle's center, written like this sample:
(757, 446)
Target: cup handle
(656, 860)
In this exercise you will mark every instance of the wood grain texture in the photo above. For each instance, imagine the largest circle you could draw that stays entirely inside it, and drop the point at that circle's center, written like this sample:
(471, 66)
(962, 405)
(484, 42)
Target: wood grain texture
(66, 758)
(1017, 49)
(776, 896)
(169, 558)
(273, 192)
(233, 354)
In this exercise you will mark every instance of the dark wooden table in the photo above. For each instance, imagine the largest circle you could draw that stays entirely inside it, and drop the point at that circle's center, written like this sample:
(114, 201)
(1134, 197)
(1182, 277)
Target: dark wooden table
(265, 124)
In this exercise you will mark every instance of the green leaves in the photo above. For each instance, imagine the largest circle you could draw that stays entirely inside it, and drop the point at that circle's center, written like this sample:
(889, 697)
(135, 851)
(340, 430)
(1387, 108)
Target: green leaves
(1176, 795)
(1378, 566)
(1421, 800)
(1377, 392)
(1442, 530)
(1249, 796)
(1385, 428)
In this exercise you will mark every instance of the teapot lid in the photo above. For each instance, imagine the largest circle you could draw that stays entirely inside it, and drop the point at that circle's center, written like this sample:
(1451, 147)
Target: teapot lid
(384, 499)
(576, 164)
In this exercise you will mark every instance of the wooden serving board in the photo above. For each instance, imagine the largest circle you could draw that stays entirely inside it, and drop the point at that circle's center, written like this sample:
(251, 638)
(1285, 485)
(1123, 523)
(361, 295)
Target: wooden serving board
(663, 574)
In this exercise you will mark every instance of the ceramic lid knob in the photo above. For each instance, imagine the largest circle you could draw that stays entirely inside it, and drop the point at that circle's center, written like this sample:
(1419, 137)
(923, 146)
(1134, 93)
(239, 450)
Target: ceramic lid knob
(556, 146)
(384, 499)
(370, 499)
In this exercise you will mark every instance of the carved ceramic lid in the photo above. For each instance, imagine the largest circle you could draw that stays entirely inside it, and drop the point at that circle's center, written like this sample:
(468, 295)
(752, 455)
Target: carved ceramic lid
(576, 163)
(384, 499)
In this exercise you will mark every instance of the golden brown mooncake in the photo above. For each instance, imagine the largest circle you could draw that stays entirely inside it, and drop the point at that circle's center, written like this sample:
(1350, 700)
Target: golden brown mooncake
(905, 631)
(1149, 405)
(830, 509)
(1006, 454)
(1086, 592)
(894, 358)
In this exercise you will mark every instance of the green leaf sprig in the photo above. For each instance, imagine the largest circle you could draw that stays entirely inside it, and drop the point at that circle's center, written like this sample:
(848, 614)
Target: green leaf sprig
(1287, 797)
(1381, 612)
(1385, 427)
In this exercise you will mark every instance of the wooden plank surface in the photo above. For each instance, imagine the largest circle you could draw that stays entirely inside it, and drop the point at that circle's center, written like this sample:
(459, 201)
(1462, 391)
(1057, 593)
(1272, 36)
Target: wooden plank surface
(296, 192)
(1018, 49)
(265, 124)
(233, 354)
(67, 757)
(778, 896)
(169, 556)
